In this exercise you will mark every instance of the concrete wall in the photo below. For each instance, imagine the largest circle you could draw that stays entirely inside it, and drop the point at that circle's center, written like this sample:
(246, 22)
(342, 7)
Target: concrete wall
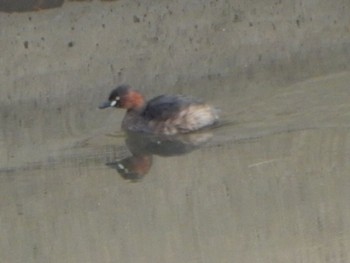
(75, 54)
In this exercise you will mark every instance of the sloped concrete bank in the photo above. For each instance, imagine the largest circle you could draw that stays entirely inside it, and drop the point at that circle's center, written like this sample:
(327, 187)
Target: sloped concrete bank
(83, 47)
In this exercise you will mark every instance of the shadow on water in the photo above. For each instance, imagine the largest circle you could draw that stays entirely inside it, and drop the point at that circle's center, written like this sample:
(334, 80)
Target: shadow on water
(130, 154)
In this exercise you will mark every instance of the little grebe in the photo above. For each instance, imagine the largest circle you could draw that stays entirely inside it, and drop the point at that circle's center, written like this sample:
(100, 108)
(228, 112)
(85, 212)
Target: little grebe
(164, 114)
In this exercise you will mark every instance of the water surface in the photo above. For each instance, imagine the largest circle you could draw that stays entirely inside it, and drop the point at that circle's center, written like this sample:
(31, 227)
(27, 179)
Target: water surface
(269, 186)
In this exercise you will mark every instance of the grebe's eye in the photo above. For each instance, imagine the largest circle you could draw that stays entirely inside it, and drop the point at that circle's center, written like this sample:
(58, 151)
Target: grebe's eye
(123, 168)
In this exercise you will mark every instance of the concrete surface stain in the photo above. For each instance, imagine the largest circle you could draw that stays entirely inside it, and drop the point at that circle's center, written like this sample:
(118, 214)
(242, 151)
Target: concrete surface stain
(10, 6)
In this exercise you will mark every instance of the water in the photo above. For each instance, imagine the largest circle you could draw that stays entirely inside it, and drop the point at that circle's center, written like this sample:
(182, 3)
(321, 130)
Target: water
(271, 185)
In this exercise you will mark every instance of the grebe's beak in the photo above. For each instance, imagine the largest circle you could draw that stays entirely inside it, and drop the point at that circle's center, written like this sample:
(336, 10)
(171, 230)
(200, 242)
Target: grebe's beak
(108, 104)
(105, 105)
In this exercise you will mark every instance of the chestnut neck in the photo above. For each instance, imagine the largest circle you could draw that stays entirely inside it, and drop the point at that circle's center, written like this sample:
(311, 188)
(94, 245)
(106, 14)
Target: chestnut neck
(133, 101)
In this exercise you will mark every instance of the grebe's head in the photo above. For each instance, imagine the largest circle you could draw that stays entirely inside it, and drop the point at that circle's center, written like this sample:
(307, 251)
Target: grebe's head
(124, 97)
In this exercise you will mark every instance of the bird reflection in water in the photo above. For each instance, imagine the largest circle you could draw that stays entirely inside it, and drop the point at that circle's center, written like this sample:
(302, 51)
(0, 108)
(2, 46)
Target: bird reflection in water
(143, 146)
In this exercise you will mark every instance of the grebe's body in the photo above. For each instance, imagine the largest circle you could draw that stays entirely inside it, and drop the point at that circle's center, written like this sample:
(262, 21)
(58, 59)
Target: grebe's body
(164, 114)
